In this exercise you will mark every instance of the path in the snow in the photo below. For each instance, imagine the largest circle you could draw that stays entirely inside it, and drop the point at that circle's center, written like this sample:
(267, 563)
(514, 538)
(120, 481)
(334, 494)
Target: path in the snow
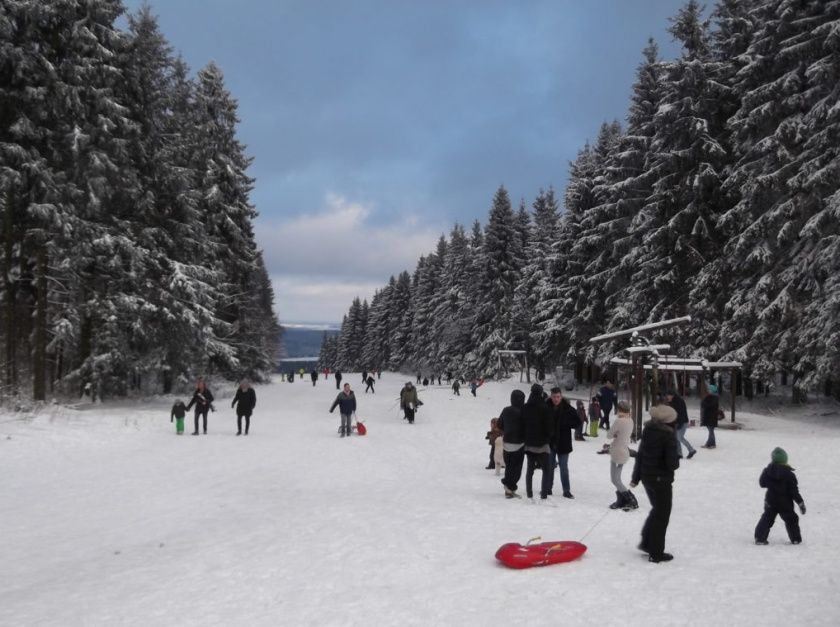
(108, 518)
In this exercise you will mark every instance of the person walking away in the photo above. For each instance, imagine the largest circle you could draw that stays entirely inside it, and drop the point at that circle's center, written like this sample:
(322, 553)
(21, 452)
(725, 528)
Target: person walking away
(709, 414)
(594, 416)
(370, 381)
(491, 437)
(539, 434)
(337, 380)
(364, 376)
(678, 403)
(202, 398)
(656, 461)
(179, 411)
(456, 388)
(346, 403)
(314, 376)
(474, 387)
(565, 420)
(607, 399)
(583, 420)
(409, 402)
(419, 378)
(619, 433)
(512, 425)
(782, 492)
(244, 400)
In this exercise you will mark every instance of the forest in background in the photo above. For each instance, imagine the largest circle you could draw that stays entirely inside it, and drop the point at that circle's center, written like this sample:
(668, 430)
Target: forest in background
(128, 254)
(719, 198)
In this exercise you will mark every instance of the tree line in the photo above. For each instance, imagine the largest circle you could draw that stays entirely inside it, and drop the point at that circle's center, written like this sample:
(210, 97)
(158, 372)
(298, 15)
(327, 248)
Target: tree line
(719, 197)
(128, 252)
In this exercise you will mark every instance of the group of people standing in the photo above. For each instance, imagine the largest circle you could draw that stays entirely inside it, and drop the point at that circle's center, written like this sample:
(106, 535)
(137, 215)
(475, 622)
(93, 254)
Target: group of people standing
(202, 399)
(539, 429)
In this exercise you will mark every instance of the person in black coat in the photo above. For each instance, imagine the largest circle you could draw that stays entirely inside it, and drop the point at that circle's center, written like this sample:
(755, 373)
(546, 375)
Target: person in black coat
(539, 433)
(337, 380)
(656, 461)
(346, 403)
(202, 398)
(565, 421)
(782, 493)
(512, 425)
(314, 376)
(369, 383)
(709, 414)
(678, 404)
(607, 397)
(244, 400)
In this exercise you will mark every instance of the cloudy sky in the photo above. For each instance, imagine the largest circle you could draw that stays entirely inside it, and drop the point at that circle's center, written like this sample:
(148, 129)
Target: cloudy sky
(377, 124)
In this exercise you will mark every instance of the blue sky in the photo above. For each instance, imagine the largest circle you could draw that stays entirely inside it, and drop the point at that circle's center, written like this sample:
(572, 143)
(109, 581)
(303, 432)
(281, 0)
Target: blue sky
(375, 125)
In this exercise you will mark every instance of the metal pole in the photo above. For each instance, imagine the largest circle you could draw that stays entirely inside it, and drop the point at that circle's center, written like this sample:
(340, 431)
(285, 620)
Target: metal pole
(732, 391)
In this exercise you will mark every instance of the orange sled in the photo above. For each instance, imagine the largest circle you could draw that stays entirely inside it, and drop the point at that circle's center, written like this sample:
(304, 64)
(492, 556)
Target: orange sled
(515, 555)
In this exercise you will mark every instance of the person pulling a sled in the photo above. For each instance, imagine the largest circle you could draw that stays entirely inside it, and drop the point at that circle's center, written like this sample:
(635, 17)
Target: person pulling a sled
(346, 403)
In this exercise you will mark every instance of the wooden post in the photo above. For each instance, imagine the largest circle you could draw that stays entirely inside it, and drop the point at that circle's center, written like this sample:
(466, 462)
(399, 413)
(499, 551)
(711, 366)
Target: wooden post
(732, 392)
(527, 369)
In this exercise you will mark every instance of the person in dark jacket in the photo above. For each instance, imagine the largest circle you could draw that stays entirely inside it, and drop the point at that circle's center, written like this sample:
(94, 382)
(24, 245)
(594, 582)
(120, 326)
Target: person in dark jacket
(244, 400)
(346, 403)
(678, 404)
(202, 398)
(709, 412)
(179, 411)
(565, 420)
(369, 383)
(607, 398)
(539, 434)
(409, 402)
(513, 426)
(314, 376)
(456, 388)
(656, 461)
(337, 380)
(782, 493)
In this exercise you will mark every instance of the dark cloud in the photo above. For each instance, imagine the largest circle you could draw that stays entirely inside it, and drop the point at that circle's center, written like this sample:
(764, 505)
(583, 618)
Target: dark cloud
(414, 109)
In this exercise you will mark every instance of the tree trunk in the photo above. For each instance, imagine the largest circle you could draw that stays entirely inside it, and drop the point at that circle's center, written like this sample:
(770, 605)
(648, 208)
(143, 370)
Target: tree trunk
(39, 350)
(9, 288)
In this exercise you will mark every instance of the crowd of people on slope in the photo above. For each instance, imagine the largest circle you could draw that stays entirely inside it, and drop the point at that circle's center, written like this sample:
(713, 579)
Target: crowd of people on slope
(202, 399)
(539, 430)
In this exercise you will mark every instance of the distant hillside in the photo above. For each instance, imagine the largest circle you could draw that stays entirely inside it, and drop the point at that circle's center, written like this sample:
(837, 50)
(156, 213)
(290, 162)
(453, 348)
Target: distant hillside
(302, 341)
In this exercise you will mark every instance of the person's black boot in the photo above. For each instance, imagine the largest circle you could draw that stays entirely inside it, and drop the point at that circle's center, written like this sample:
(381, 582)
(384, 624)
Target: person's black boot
(662, 557)
(630, 501)
(619, 500)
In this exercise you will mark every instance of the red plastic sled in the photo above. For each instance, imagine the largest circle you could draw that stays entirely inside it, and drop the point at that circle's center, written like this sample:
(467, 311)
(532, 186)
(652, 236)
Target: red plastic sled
(515, 555)
(361, 429)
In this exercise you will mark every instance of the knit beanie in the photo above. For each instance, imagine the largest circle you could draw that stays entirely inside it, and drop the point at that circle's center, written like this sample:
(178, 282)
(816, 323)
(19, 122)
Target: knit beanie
(663, 413)
(712, 388)
(779, 456)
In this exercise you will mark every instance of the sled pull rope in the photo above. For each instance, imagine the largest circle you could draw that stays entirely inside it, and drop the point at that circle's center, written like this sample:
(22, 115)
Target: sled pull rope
(598, 522)
(534, 539)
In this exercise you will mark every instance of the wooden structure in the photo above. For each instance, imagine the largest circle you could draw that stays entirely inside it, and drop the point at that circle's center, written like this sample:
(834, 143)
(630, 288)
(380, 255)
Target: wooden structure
(523, 362)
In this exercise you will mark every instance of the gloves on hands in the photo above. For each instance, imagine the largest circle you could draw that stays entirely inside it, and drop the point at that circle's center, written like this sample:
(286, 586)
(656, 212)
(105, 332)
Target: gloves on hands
(802, 507)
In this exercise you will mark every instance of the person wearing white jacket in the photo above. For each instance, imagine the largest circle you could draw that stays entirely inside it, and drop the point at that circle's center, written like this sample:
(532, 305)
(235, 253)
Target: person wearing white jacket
(619, 433)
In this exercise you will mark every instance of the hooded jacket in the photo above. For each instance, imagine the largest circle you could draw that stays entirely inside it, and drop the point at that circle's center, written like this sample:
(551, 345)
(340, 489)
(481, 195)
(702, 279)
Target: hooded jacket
(782, 487)
(510, 420)
(246, 400)
(658, 456)
(539, 426)
(709, 408)
(678, 403)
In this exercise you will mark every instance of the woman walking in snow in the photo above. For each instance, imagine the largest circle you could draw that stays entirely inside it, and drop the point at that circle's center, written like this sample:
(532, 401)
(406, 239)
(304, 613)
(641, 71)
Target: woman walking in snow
(245, 400)
(709, 414)
(619, 433)
(202, 398)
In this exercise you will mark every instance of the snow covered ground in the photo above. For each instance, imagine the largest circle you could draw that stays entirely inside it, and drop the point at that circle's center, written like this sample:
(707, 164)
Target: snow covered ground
(108, 518)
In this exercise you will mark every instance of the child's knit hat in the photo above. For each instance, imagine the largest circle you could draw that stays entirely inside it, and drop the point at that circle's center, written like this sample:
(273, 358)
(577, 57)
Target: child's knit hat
(779, 456)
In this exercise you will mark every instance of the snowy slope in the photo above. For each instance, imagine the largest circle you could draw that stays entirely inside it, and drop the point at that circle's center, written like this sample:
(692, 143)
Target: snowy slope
(108, 518)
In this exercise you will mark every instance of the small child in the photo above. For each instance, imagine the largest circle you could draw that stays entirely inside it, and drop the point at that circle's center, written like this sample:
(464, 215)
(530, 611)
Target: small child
(582, 420)
(473, 386)
(782, 492)
(179, 410)
(594, 416)
(492, 435)
(456, 388)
